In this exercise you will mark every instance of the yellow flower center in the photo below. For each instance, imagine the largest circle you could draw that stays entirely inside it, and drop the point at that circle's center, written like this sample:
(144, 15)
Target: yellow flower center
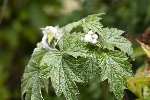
(50, 36)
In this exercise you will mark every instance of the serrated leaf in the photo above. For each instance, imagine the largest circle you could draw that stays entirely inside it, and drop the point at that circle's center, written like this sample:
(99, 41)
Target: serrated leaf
(88, 67)
(73, 45)
(111, 38)
(38, 53)
(63, 73)
(69, 27)
(92, 23)
(115, 68)
(31, 82)
(89, 64)
(75, 62)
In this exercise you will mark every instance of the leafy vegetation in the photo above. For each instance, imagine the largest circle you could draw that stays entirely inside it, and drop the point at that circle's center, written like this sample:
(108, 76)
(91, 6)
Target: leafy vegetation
(19, 32)
(139, 83)
(62, 64)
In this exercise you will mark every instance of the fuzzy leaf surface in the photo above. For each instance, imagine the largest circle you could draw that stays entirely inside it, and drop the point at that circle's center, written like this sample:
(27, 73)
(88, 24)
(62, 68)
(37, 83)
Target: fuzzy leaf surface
(115, 68)
(111, 38)
(92, 22)
(63, 73)
(31, 82)
(73, 45)
(88, 67)
(90, 63)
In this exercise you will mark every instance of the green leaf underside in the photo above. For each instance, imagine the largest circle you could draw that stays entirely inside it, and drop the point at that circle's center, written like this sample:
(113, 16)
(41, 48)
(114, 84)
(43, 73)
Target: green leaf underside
(63, 73)
(111, 38)
(31, 82)
(115, 68)
(75, 46)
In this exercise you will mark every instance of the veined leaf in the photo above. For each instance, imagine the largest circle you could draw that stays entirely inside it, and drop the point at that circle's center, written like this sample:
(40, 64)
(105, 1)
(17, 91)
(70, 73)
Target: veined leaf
(31, 82)
(72, 44)
(115, 68)
(63, 73)
(77, 61)
(111, 38)
(91, 22)
(90, 63)
(89, 68)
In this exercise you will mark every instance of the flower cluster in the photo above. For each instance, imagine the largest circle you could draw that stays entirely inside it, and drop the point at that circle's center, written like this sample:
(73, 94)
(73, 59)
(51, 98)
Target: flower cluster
(91, 37)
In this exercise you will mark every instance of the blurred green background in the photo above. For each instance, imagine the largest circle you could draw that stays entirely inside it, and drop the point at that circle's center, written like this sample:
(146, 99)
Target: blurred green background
(20, 21)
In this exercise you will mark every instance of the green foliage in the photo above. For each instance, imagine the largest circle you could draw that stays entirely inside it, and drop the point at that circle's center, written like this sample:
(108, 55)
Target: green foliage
(63, 73)
(75, 47)
(32, 83)
(139, 83)
(73, 61)
(92, 23)
(115, 68)
(111, 38)
(19, 32)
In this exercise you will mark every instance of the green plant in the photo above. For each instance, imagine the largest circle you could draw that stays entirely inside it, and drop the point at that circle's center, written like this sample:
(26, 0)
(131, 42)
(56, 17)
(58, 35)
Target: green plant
(76, 53)
(139, 83)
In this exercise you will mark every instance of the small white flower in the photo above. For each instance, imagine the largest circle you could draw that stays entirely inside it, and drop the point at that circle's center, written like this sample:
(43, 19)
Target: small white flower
(49, 30)
(94, 41)
(91, 37)
(95, 36)
(90, 32)
(46, 31)
(44, 43)
(87, 38)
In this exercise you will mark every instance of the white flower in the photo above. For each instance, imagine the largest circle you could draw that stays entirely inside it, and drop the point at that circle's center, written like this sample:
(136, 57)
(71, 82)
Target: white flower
(91, 37)
(94, 41)
(48, 31)
(90, 32)
(87, 38)
(44, 43)
(95, 36)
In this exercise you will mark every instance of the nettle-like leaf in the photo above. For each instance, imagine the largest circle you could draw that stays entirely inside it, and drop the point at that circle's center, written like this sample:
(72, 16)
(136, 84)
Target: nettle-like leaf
(111, 38)
(73, 45)
(63, 73)
(74, 59)
(31, 82)
(90, 63)
(89, 68)
(92, 23)
(69, 27)
(115, 68)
